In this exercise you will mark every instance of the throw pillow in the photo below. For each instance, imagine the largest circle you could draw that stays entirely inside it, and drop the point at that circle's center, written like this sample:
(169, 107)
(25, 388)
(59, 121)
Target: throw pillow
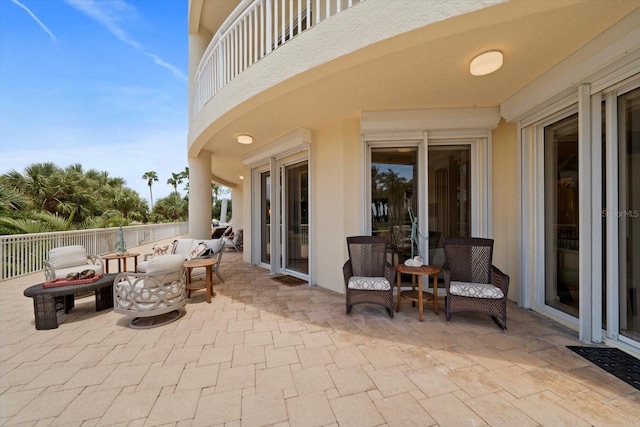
(199, 250)
(174, 245)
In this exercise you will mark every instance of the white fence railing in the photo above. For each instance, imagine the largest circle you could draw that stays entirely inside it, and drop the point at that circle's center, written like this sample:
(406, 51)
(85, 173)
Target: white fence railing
(253, 30)
(22, 254)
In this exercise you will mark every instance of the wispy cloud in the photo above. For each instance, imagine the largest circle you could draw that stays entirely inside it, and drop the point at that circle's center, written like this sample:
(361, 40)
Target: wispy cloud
(35, 18)
(110, 14)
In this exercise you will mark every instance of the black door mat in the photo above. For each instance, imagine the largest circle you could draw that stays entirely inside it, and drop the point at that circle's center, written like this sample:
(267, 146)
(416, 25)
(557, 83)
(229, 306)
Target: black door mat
(289, 280)
(614, 361)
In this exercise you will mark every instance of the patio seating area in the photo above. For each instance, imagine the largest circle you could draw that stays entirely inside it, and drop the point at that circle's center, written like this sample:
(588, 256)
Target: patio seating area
(267, 354)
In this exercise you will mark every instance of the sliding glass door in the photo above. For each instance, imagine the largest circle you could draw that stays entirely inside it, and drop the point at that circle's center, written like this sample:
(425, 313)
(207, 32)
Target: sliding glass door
(296, 218)
(265, 217)
(449, 176)
(282, 219)
(628, 214)
(561, 224)
(394, 177)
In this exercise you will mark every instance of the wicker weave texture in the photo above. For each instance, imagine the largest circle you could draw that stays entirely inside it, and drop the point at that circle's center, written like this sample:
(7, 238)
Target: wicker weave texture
(367, 258)
(468, 259)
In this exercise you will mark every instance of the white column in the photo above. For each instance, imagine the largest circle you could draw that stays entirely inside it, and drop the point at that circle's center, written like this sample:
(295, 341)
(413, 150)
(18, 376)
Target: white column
(200, 198)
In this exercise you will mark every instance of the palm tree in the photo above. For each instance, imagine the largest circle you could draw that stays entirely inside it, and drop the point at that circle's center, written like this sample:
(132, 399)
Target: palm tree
(175, 180)
(151, 177)
(185, 176)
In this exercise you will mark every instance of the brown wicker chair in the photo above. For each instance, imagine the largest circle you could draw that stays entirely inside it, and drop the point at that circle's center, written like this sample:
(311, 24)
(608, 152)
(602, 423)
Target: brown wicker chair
(471, 281)
(368, 277)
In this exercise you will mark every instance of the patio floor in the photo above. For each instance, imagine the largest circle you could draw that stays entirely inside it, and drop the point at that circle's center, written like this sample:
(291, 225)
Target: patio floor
(266, 354)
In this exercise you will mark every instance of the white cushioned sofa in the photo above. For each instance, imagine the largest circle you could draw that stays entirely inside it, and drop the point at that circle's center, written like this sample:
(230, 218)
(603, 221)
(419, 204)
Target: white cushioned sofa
(192, 248)
(70, 259)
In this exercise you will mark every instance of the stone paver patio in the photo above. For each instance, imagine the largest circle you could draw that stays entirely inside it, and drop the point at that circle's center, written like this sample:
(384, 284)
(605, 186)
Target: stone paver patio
(264, 354)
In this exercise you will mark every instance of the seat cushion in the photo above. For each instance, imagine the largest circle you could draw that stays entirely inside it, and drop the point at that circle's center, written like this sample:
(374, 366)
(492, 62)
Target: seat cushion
(67, 256)
(369, 283)
(158, 266)
(475, 290)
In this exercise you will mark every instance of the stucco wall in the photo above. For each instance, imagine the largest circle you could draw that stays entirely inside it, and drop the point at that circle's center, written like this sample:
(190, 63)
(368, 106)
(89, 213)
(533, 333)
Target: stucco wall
(336, 167)
(505, 202)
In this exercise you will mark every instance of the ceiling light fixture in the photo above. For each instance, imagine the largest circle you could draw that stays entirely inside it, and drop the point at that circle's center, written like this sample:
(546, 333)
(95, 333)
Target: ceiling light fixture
(245, 139)
(486, 63)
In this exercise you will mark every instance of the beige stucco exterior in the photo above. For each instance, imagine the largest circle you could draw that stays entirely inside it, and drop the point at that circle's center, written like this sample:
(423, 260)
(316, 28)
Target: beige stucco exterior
(408, 61)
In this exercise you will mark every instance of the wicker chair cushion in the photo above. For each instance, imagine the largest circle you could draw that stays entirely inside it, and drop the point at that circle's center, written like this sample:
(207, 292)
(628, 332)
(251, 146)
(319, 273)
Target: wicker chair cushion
(476, 290)
(369, 283)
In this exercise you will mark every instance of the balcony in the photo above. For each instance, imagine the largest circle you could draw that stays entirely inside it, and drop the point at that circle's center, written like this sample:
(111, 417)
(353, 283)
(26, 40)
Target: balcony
(253, 30)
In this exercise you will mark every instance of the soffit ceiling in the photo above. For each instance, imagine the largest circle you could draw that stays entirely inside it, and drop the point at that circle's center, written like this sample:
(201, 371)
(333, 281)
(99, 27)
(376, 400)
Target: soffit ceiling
(426, 68)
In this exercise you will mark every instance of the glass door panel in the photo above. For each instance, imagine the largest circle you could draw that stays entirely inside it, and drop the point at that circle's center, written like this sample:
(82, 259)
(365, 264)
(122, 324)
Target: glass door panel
(265, 217)
(629, 213)
(561, 193)
(449, 196)
(394, 177)
(296, 218)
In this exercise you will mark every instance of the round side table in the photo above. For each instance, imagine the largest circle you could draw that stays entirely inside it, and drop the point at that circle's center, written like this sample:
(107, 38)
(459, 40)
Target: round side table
(420, 296)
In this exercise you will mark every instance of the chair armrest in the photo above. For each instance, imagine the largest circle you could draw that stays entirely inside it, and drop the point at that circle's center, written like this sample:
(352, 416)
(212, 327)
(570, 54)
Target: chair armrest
(49, 272)
(147, 257)
(347, 271)
(96, 260)
(499, 279)
(447, 276)
(390, 273)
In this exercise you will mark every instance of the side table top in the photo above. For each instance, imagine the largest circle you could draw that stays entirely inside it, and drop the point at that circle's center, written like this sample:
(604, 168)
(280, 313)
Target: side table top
(424, 269)
(200, 262)
(119, 256)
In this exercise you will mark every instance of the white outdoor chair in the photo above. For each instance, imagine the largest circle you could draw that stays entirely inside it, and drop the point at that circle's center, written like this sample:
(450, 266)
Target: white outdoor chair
(234, 242)
(70, 259)
(154, 298)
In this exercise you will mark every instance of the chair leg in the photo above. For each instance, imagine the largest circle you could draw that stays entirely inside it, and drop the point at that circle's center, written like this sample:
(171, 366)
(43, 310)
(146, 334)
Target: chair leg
(219, 276)
(502, 324)
(348, 309)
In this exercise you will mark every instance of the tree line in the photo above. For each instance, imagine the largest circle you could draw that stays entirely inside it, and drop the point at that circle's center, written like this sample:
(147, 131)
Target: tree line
(46, 197)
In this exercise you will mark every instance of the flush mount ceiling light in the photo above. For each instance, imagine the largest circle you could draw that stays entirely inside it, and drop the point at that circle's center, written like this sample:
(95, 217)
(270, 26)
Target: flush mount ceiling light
(486, 63)
(245, 139)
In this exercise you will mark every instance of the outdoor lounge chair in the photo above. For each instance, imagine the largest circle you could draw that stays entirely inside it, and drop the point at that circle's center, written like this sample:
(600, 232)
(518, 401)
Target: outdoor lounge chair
(153, 298)
(234, 241)
(471, 281)
(70, 259)
(368, 277)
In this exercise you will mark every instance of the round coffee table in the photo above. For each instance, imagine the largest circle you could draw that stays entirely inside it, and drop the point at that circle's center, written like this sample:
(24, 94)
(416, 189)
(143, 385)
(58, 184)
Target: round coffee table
(420, 296)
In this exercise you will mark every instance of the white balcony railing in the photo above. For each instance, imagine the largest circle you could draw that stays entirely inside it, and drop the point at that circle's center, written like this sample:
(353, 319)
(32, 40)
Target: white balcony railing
(22, 254)
(253, 30)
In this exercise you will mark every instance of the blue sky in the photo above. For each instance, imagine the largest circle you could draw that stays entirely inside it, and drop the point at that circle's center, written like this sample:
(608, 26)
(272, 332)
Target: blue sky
(102, 83)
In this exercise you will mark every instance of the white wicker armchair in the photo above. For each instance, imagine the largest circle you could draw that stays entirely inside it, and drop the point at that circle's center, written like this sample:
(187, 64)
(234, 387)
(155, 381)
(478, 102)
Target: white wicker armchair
(154, 298)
